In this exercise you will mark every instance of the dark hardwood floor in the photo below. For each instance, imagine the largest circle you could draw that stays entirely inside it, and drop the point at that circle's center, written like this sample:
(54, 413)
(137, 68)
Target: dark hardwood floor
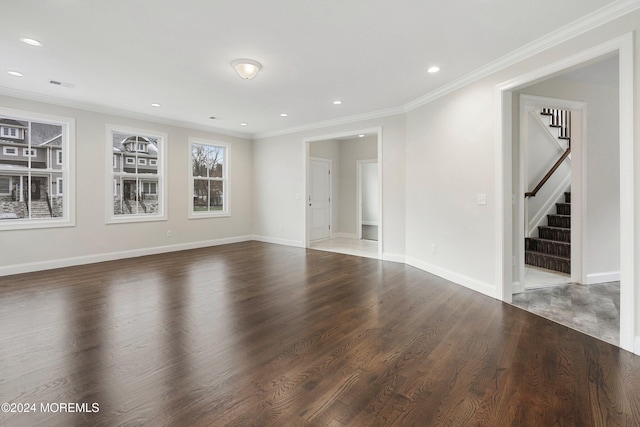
(253, 334)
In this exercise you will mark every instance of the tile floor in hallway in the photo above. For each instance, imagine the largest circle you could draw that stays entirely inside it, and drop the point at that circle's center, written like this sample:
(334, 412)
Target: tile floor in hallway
(591, 309)
(363, 248)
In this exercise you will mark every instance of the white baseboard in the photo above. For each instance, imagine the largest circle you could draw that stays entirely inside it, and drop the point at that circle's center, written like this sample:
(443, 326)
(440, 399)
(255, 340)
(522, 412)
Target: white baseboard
(112, 256)
(610, 276)
(460, 279)
(278, 241)
(369, 223)
(517, 288)
(393, 257)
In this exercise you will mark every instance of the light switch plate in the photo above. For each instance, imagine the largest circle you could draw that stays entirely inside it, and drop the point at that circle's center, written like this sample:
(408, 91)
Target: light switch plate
(482, 199)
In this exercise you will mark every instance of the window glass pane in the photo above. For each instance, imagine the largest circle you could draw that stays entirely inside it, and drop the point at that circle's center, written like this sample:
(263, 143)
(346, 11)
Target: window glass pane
(199, 156)
(215, 161)
(29, 186)
(216, 199)
(200, 195)
(135, 160)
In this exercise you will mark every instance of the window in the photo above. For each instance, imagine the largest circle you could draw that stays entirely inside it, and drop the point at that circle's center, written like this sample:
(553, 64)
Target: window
(37, 188)
(11, 132)
(209, 171)
(153, 162)
(5, 185)
(29, 152)
(10, 151)
(137, 192)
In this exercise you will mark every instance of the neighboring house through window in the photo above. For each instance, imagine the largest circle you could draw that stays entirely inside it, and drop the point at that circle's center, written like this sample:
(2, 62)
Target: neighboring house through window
(36, 170)
(136, 185)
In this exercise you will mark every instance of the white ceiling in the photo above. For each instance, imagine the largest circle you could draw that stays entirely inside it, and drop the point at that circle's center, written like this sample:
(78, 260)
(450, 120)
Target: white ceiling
(371, 54)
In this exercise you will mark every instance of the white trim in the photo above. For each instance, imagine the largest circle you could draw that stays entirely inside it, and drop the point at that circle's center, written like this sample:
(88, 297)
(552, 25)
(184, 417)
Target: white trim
(226, 180)
(5, 151)
(369, 223)
(587, 23)
(305, 162)
(161, 175)
(279, 241)
(112, 256)
(503, 267)
(610, 276)
(68, 126)
(119, 112)
(394, 257)
(457, 278)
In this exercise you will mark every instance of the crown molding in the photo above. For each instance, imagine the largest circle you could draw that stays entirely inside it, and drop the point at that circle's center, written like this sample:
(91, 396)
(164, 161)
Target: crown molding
(588, 22)
(333, 122)
(103, 109)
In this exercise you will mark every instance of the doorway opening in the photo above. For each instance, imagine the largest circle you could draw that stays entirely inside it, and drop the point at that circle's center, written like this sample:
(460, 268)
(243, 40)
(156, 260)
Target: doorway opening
(511, 204)
(343, 210)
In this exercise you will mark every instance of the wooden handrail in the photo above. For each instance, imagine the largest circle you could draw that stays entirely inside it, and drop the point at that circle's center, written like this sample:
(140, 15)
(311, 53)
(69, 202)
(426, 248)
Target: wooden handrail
(548, 175)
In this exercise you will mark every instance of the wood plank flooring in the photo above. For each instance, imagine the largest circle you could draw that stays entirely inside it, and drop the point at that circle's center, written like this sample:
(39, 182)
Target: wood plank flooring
(253, 334)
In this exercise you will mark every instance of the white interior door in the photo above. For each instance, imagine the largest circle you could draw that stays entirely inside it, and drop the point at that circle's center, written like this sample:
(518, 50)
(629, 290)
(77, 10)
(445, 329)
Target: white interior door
(320, 198)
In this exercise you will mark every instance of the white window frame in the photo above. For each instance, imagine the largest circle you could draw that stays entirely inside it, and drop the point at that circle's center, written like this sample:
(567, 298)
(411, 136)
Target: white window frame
(226, 181)
(10, 151)
(29, 152)
(142, 162)
(160, 176)
(68, 218)
(59, 159)
(6, 132)
(60, 186)
(128, 160)
(153, 162)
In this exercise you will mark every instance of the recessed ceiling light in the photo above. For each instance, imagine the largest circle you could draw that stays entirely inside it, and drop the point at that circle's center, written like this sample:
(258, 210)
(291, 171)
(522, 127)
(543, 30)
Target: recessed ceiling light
(30, 42)
(15, 73)
(433, 69)
(361, 135)
(155, 104)
(284, 115)
(243, 124)
(337, 102)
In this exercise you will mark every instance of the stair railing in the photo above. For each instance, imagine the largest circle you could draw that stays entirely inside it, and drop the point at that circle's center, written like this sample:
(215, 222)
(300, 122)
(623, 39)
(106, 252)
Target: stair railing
(559, 119)
(545, 178)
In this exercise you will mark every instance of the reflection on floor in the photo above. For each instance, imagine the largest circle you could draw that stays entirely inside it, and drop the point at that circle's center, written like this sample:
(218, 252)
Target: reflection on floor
(591, 309)
(370, 232)
(364, 248)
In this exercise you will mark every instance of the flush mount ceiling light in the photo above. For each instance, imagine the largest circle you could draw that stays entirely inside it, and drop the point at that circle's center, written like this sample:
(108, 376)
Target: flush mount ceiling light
(30, 42)
(433, 69)
(15, 73)
(246, 68)
(337, 102)
(155, 104)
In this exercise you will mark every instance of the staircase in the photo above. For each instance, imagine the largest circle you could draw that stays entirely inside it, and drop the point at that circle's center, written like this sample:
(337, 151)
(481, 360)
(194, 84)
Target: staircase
(552, 248)
(40, 209)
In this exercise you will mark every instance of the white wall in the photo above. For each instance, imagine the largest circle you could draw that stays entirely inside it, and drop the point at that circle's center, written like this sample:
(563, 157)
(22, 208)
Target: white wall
(597, 85)
(370, 193)
(352, 150)
(91, 239)
(279, 183)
